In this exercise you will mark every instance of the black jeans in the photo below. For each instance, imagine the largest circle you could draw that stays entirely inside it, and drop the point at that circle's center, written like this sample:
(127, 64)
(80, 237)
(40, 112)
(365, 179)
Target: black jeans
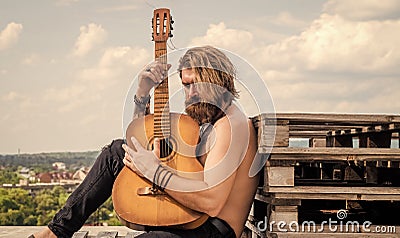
(96, 188)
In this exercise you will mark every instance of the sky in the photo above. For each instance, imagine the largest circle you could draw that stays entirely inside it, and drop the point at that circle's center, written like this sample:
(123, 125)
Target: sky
(66, 65)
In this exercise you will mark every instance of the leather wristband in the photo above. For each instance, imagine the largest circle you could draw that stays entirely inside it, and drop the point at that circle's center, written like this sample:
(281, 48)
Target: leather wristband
(141, 100)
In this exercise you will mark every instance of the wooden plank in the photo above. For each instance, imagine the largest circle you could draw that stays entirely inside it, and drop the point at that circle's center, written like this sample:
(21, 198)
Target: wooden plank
(320, 127)
(332, 154)
(287, 214)
(279, 176)
(80, 234)
(274, 134)
(333, 117)
(317, 142)
(254, 229)
(307, 134)
(392, 127)
(107, 234)
(133, 234)
(334, 193)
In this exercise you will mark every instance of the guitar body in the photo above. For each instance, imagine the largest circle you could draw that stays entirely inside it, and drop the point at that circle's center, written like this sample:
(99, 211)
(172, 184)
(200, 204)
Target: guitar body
(137, 210)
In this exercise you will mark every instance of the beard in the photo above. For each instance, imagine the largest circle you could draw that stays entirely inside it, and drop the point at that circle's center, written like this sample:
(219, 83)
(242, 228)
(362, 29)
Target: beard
(202, 112)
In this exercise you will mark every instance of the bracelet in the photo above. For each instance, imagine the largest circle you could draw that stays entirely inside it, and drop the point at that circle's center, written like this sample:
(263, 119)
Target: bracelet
(141, 100)
(166, 177)
(155, 177)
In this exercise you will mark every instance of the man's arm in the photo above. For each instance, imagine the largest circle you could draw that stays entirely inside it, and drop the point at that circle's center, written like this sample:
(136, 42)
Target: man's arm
(210, 195)
(141, 106)
(152, 75)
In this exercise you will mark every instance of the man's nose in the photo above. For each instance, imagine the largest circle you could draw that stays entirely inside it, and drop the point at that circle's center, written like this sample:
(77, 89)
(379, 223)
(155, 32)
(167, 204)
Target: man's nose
(193, 91)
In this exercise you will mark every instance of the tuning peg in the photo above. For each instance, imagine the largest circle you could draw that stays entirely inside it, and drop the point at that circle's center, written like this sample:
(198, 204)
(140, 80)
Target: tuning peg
(170, 27)
(170, 35)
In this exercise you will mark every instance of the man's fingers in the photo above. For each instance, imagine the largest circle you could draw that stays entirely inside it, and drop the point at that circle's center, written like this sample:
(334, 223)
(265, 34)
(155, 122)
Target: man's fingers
(156, 149)
(136, 143)
(128, 150)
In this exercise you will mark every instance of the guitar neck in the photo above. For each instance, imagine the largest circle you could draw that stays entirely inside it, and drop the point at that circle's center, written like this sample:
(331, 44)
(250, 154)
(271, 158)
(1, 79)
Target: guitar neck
(162, 128)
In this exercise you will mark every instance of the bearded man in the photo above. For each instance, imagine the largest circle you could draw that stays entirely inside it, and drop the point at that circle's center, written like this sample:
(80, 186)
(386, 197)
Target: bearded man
(227, 150)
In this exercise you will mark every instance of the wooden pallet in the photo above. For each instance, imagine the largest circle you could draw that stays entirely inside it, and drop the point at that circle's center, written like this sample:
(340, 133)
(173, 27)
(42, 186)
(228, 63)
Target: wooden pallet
(105, 234)
(330, 169)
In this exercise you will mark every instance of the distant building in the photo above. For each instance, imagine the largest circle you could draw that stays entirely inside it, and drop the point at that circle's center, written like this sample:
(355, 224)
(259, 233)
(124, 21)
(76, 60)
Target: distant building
(59, 166)
(53, 177)
(80, 174)
(25, 173)
(45, 178)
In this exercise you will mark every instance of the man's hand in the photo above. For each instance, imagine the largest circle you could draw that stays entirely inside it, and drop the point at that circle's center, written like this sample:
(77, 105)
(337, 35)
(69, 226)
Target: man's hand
(141, 161)
(152, 75)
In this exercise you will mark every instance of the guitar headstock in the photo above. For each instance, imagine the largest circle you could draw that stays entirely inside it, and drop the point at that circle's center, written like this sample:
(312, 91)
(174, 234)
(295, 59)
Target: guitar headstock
(162, 25)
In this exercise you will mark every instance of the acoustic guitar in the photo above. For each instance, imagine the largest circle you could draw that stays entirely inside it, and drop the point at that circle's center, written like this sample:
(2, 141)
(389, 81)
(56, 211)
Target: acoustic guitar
(136, 202)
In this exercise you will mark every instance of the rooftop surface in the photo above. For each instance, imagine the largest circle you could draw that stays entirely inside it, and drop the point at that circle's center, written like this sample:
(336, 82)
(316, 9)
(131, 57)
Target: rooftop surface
(25, 231)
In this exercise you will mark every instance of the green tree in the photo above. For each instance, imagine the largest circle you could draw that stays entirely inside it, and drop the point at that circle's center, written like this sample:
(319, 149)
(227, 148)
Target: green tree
(6, 203)
(9, 176)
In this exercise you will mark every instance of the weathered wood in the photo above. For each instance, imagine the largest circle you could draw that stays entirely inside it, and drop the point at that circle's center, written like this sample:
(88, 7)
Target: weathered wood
(253, 228)
(279, 176)
(286, 214)
(334, 193)
(353, 119)
(317, 142)
(80, 234)
(274, 133)
(337, 165)
(333, 154)
(133, 234)
(107, 234)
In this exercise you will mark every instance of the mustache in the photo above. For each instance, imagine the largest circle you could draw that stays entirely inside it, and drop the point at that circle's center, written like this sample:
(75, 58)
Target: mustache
(192, 100)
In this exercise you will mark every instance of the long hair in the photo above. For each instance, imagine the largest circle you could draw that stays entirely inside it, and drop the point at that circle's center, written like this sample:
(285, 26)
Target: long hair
(213, 68)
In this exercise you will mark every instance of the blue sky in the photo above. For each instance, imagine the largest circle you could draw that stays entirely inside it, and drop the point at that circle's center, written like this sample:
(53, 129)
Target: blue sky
(66, 65)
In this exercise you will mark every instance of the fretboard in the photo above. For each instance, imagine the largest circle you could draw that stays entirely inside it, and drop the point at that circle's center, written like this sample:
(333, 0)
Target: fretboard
(162, 128)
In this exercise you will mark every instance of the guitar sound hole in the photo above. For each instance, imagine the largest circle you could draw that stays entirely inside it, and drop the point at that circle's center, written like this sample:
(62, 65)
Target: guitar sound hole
(166, 148)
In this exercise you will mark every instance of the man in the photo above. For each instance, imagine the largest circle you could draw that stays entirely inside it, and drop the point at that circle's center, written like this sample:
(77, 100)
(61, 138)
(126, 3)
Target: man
(226, 191)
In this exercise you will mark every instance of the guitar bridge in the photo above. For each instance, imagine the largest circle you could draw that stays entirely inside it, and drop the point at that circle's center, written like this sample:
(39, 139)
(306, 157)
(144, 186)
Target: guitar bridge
(149, 191)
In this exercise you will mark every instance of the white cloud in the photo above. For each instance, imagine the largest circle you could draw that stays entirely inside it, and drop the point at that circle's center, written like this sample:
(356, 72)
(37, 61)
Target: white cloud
(90, 37)
(363, 10)
(31, 59)
(9, 36)
(121, 8)
(11, 96)
(219, 35)
(288, 20)
(335, 65)
(104, 80)
(334, 44)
